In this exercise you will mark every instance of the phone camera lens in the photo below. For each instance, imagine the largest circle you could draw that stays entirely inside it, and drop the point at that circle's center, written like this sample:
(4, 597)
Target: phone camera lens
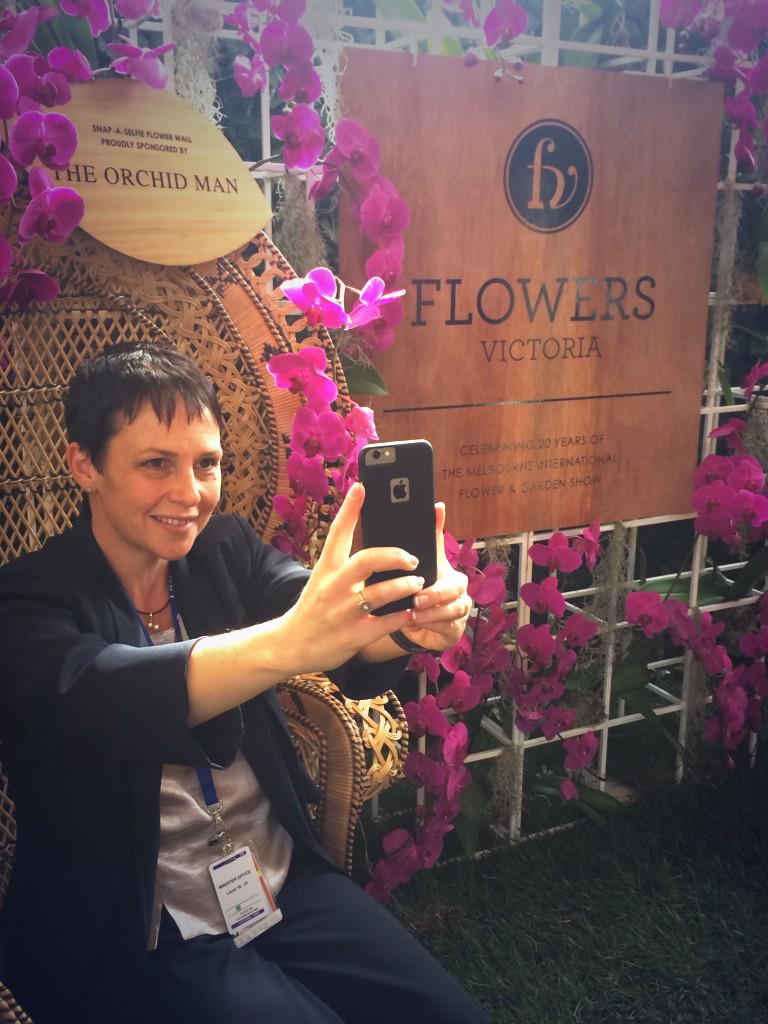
(376, 454)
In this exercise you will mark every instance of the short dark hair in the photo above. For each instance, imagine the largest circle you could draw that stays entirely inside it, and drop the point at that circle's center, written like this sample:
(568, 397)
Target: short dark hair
(120, 379)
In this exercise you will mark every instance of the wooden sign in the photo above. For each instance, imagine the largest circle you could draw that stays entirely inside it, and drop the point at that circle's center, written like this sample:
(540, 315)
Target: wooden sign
(160, 182)
(557, 272)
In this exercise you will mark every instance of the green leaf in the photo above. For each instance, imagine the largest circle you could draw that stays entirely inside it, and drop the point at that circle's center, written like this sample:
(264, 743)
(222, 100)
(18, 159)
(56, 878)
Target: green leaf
(400, 10)
(725, 385)
(450, 47)
(628, 678)
(711, 589)
(640, 702)
(749, 574)
(592, 32)
(473, 814)
(583, 679)
(66, 31)
(362, 378)
(598, 800)
(762, 267)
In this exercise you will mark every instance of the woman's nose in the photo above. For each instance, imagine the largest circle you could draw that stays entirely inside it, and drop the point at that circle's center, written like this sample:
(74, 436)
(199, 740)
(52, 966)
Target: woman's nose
(186, 488)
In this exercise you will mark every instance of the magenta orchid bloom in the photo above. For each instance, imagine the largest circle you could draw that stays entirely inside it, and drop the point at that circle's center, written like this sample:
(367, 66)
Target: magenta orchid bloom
(319, 434)
(744, 151)
(95, 12)
(360, 422)
(308, 476)
(380, 334)
(713, 467)
(425, 663)
(423, 771)
(250, 74)
(30, 286)
(536, 643)
(577, 630)
(425, 717)
(748, 24)
(725, 68)
(8, 179)
(679, 13)
(489, 585)
(302, 135)
(37, 83)
(18, 30)
(580, 750)
(460, 695)
(372, 296)
(543, 597)
(9, 94)
(70, 63)
(302, 373)
(315, 296)
(568, 790)
(286, 43)
(647, 610)
(53, 213)
(357, 148)
(326, 183)
(135, 9)
(293, 538)
(143, 65)
(51, 138)
(732, 430)
(556, 720)
(300, 83)
(555, 554)
(504, 22)
(384, 216)
(741, 111)
(588, 545)
(386, 263)
(758, 373)
(755, 645)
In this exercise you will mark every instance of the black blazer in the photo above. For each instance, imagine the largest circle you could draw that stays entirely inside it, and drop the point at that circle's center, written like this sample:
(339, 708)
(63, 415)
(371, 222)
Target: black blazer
(88, 715)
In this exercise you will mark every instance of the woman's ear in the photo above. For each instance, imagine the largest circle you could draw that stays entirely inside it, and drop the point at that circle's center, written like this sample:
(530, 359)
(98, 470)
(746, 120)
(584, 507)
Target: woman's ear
(81, 467)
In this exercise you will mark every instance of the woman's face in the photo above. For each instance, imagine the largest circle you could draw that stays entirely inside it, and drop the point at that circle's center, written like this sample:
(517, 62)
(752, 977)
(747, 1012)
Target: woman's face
(156, 489)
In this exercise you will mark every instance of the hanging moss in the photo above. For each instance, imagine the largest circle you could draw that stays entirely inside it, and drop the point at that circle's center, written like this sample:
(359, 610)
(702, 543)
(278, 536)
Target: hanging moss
(296, 232)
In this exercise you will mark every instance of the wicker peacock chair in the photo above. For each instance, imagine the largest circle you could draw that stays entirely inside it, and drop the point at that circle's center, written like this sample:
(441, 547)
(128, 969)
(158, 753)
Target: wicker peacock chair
(227, 316)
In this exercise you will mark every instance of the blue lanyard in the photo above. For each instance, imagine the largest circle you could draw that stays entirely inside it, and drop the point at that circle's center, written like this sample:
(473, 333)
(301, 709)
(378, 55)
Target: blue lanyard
(208, 786)
(174, 616)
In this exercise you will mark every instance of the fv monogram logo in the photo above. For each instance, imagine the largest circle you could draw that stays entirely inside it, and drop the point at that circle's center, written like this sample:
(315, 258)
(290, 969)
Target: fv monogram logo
(548, 176)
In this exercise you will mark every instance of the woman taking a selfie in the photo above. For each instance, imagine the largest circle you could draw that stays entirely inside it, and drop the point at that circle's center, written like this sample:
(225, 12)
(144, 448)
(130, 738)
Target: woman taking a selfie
(154, 779)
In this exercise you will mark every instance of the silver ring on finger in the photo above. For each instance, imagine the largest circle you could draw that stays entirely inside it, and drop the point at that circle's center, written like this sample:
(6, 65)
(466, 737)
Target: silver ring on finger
(364, 606)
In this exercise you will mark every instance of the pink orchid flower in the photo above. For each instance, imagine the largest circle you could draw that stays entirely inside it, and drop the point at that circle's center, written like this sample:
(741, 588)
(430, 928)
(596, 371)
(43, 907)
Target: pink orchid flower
(460, 695)
(556, 720)
(578, 630)
(70, 63)
(143, 65)
(8, 179)
(745, 474)
(18, 30)
(425, 663)
(543, 597)
(423, 771)
(53, 213)
(536, 643)
(725, 68)
(320, 433)
(292, 511)
(250, 74)
(732, 430)
(741, 111)
(647, 610)
(300, 83)
(30, 286)
(506, 20)
(325, 184)
(588, 544)
(302, 135)
(555, 554)
(386, 263)
(748, 25)
(425, 717)
(744, 152)
(303, 373)
(489, 585)
(9, 94)
(37, 83)
(360, 422)
(315, 296)
(380, 334)
(580, 750)
(754, 645)
(568, 790)
(308, 476)
(758, 373)
(357, 148)
(679, 13)
(372, 296)
(95, 12)
(384, 217)
(713, 467)
(285, 43)
(51, 138)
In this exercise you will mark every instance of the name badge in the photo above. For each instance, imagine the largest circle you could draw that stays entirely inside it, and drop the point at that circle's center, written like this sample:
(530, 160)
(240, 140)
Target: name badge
(245, 899)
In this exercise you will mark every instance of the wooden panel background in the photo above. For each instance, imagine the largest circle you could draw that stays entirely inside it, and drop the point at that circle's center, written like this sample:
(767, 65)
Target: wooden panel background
(501, 427)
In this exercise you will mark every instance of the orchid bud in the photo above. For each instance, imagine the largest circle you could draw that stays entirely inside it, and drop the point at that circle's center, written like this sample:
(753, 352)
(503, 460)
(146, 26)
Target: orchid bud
(471, 58)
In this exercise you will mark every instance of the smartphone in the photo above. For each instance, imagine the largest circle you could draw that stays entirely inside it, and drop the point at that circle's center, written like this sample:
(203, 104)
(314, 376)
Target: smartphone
(399, 508)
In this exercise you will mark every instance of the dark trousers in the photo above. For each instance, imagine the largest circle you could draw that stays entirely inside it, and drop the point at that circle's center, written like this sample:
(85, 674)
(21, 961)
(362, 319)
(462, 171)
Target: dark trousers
(337, 956)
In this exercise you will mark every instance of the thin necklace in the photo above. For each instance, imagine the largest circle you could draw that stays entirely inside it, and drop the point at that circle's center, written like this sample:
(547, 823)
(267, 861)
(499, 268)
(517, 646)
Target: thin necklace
(152, 626)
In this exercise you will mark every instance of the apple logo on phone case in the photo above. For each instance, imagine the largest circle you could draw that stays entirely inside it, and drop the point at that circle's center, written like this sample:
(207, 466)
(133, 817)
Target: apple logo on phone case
(400, 489)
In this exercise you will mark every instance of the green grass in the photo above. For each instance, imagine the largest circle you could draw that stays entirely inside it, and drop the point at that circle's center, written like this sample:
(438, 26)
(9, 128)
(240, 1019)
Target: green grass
(661, 916)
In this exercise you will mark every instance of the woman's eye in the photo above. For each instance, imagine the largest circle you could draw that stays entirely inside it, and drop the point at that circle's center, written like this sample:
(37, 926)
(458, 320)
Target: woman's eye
(209, 463)
(154, 463)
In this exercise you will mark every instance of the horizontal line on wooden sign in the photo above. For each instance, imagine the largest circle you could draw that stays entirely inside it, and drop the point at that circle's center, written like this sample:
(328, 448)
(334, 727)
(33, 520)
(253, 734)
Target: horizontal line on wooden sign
(525, 401)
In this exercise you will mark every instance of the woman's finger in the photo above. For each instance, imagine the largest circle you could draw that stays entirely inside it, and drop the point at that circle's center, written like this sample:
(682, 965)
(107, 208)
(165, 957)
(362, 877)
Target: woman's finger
(338, 543)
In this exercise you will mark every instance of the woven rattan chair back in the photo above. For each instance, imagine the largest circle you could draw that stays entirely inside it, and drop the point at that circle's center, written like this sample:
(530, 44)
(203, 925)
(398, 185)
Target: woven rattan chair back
(228, 316)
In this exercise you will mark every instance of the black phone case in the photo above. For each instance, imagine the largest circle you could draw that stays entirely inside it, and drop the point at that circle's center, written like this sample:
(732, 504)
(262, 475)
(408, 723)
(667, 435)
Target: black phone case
(399, 509)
